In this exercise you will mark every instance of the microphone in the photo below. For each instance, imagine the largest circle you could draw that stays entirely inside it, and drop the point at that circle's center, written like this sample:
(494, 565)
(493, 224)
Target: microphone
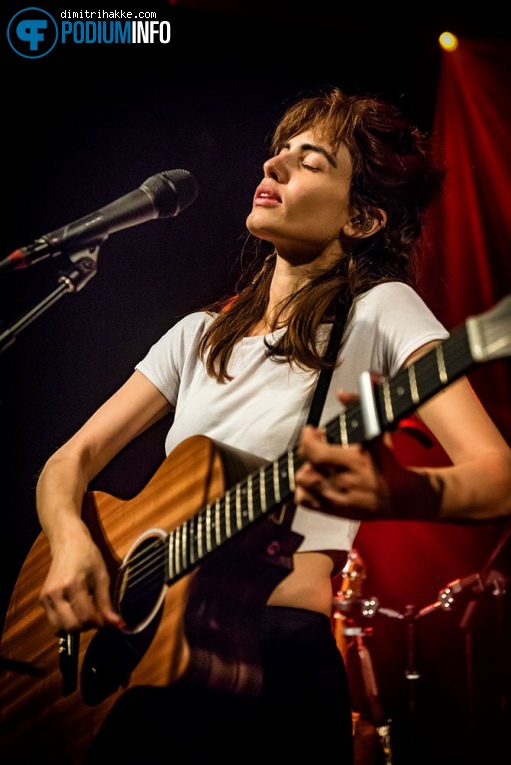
(163, 195)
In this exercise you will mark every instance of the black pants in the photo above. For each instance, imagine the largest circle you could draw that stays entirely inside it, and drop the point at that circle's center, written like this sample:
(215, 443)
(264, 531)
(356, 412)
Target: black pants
(303, 709)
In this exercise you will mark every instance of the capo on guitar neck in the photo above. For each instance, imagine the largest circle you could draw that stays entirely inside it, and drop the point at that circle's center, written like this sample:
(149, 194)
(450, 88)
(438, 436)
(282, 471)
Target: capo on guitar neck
(372, 426)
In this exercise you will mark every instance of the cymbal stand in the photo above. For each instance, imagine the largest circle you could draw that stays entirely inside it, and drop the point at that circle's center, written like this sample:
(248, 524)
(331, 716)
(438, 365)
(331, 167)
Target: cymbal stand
(347, 603)
(411, 672)
(380, 721)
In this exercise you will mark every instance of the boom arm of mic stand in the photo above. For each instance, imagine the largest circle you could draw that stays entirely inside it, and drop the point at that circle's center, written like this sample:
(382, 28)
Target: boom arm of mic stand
(83, 268)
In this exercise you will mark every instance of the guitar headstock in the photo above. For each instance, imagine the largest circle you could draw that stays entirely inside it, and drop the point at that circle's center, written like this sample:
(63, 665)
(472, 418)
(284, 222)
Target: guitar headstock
(489, 333)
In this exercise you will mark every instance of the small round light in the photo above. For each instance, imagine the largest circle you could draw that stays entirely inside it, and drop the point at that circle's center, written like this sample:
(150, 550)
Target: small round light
(448, 41)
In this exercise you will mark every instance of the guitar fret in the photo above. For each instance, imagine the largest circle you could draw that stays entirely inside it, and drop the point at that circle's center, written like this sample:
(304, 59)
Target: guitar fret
(291, 470)
(387, 398)
(413, 384)
(239, 519)
(250, 499)
(218, 532)
(228, 532)
(441, 364)
(208, 530)
(343, 430)
(262, 488)
(276, 482)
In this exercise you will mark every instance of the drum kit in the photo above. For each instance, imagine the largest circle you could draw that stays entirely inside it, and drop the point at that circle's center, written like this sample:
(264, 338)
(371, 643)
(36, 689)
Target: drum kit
(351, 614)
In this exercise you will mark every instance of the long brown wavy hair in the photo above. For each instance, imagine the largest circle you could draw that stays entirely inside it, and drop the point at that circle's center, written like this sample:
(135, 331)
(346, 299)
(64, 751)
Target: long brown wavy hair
(393, 169)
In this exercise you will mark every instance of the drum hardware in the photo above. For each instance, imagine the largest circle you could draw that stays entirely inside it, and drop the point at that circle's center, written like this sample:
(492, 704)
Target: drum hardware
(469, 590)
(349, 609)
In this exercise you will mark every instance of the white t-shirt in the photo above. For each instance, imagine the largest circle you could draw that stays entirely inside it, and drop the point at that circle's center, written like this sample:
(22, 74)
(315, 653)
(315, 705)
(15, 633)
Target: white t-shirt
(264, 407)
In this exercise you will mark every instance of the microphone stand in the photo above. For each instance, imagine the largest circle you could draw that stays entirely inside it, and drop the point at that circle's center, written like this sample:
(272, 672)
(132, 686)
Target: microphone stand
(83, 268)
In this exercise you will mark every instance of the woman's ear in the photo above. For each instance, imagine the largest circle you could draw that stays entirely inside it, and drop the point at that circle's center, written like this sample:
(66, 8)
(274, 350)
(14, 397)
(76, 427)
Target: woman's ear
(365, 224)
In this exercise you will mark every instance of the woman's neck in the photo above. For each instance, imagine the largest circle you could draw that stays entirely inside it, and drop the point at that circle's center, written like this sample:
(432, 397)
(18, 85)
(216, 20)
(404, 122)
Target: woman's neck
(288, 278)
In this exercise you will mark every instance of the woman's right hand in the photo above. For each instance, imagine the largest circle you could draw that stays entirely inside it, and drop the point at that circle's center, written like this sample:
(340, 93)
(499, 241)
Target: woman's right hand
(76, 592)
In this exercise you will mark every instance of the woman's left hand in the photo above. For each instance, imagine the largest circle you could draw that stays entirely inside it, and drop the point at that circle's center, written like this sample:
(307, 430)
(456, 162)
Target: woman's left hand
(341, 480)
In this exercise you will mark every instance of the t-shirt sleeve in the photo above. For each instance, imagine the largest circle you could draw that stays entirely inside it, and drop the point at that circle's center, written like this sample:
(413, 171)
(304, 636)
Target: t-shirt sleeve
(164, 362)
(401, 321)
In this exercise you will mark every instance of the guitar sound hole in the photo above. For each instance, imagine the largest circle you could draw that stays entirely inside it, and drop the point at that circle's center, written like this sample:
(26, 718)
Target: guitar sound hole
(142, 581)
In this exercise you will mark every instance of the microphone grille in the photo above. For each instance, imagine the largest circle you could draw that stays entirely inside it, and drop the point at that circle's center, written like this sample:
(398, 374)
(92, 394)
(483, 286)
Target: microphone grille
(172, 191)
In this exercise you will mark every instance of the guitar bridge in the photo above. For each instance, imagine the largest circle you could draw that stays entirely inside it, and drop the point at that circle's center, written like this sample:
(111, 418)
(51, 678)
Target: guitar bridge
(68, 662)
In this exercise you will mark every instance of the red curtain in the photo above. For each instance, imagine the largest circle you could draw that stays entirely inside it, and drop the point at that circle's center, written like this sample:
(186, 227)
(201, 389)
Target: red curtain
(472, 133)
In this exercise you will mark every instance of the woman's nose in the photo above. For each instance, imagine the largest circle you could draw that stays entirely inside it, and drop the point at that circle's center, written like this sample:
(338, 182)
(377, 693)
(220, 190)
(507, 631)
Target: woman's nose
(275, 167)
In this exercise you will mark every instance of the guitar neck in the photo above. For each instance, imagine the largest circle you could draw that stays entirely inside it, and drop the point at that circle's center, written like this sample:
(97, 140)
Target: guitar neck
(480, 338)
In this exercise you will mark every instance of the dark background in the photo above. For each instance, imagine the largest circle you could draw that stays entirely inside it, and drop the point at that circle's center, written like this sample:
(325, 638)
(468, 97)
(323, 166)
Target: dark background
(88, 124)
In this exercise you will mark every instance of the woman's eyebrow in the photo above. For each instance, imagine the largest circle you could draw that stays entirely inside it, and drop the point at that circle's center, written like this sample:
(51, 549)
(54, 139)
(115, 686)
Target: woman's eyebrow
(319, 149)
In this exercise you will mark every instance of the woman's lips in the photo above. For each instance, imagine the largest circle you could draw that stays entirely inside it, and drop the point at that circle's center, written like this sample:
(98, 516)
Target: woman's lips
(266, 196)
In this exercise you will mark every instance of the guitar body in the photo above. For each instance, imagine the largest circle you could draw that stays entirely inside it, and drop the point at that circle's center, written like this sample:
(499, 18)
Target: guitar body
(55, 694)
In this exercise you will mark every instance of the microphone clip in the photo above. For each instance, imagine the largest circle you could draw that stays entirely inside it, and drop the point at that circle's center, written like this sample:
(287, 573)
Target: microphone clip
(84, 267)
